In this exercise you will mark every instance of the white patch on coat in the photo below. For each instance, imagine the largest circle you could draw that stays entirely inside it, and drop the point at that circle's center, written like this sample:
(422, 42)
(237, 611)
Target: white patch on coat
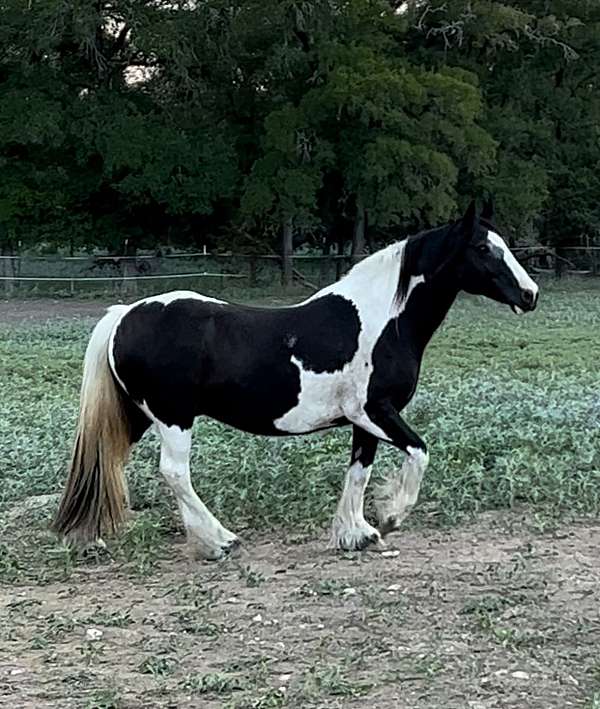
(522, 277)
(167, 298)
(204, 530)
(326, 396)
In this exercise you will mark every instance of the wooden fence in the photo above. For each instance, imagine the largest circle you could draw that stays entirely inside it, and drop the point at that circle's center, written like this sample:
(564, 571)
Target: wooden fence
(22, 274)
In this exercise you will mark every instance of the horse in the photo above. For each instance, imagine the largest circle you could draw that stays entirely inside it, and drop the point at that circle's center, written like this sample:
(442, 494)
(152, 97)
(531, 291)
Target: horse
(349, 355)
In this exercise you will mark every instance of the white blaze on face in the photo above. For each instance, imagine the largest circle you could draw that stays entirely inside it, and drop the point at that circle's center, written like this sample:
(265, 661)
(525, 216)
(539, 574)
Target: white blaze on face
(521, 276)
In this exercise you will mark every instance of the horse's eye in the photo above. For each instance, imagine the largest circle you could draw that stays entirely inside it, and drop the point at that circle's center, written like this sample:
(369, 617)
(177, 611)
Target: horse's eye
(482, 248)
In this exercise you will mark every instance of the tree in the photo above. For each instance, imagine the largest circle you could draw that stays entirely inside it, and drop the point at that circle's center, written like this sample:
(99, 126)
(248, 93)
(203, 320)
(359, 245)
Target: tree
(101, 158)
(538, 65)
(156, 121)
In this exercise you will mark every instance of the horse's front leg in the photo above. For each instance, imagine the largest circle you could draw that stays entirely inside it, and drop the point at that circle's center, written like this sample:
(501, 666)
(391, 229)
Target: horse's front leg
(397, 495)
(350, 530)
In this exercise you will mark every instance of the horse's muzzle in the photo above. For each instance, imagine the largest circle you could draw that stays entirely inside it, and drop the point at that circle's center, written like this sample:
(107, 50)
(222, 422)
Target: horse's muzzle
(529, 299)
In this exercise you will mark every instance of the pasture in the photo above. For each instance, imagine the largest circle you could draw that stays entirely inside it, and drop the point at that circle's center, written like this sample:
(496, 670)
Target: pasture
(487, 598)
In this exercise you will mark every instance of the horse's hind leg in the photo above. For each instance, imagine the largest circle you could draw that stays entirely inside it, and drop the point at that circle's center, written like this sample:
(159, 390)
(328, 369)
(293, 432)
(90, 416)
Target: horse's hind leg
(350, 530)
(206, 534)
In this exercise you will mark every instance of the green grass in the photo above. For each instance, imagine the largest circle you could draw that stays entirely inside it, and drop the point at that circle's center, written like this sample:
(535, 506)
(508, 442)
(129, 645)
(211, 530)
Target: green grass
(510, 408)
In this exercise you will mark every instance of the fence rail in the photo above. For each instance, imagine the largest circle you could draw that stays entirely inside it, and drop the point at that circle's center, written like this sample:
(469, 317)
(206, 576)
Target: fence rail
(269, 257)
(22, 273)
(83, 279)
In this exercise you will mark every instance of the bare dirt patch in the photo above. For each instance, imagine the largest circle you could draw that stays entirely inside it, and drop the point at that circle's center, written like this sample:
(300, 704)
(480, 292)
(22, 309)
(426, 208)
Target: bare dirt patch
(42, 309)
(492, 615)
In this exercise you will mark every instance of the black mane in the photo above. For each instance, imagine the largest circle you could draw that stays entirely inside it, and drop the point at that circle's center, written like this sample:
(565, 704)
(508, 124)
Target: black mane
(426, 253)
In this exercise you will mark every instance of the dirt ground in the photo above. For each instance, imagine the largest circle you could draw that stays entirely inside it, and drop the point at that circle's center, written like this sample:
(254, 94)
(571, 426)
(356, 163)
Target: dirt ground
(492, 615)
(41, 309)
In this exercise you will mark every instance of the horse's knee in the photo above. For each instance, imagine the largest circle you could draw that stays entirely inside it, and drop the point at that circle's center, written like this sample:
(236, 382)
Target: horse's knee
(413, 470)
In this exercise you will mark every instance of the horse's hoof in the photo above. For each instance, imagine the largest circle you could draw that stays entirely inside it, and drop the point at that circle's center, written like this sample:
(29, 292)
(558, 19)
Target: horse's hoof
(367, 541)
(361, 543)
(230, 547)
(198, 550)
(390, 524)
(95, 551)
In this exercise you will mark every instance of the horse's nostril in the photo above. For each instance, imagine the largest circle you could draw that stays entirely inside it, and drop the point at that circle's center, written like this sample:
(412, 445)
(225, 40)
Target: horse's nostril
(528, 296)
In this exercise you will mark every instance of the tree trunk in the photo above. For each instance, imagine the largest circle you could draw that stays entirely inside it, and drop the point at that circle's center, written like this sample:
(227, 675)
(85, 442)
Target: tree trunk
(358, 233)
(287, 249)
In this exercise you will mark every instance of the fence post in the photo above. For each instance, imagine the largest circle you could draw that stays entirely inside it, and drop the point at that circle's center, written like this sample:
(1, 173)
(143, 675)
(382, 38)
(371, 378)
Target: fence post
(129, 287)
(593, 261)
(8, 272)
(252, 276)
(287, 248)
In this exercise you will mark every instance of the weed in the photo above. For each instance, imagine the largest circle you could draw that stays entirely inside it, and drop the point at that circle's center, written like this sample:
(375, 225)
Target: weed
(141, 541)
(9, 563)
(195, 624)
(251, 578)
(157, 666)
(594, 702)
(104, 699)
(196, 592)
(428, 665)
(213, 683)
(91, 651)
(56, 629)
(326, 587)
(114, 619)
(272, 698)
(331, 680)
(490, 603)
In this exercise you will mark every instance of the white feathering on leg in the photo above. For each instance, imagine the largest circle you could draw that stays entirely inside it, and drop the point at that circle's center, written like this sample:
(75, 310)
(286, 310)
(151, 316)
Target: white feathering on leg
(398, 494)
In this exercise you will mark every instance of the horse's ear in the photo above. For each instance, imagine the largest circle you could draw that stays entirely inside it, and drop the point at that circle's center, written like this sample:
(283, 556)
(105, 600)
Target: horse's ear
(471, 220)
(488, 210)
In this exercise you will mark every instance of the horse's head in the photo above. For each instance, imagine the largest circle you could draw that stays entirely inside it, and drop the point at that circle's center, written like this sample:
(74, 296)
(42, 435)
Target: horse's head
(489, 268)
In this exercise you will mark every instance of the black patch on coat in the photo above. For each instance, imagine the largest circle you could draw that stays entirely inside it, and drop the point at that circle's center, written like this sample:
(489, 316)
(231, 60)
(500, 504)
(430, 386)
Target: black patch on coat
(233, 363)
(398, 352)
(137, 420)
(325, 339)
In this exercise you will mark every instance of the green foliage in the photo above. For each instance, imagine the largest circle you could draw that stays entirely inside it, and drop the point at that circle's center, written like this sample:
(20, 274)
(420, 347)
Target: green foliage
(537, 64)
(155, 122)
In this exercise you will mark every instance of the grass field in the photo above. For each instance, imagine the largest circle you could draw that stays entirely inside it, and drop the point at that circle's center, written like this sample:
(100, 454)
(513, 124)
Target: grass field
(510, 408)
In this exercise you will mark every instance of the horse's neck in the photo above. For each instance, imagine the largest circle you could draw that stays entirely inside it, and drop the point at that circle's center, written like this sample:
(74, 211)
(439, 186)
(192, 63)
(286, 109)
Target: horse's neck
(372, 283)
(424, 311)
(372, 286)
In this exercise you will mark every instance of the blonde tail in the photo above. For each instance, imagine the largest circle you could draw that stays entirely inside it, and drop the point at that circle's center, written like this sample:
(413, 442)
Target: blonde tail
(95, 495)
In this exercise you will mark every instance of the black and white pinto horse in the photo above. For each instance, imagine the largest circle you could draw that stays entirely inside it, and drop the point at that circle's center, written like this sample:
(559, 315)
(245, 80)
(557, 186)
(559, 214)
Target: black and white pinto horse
(350, 354)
